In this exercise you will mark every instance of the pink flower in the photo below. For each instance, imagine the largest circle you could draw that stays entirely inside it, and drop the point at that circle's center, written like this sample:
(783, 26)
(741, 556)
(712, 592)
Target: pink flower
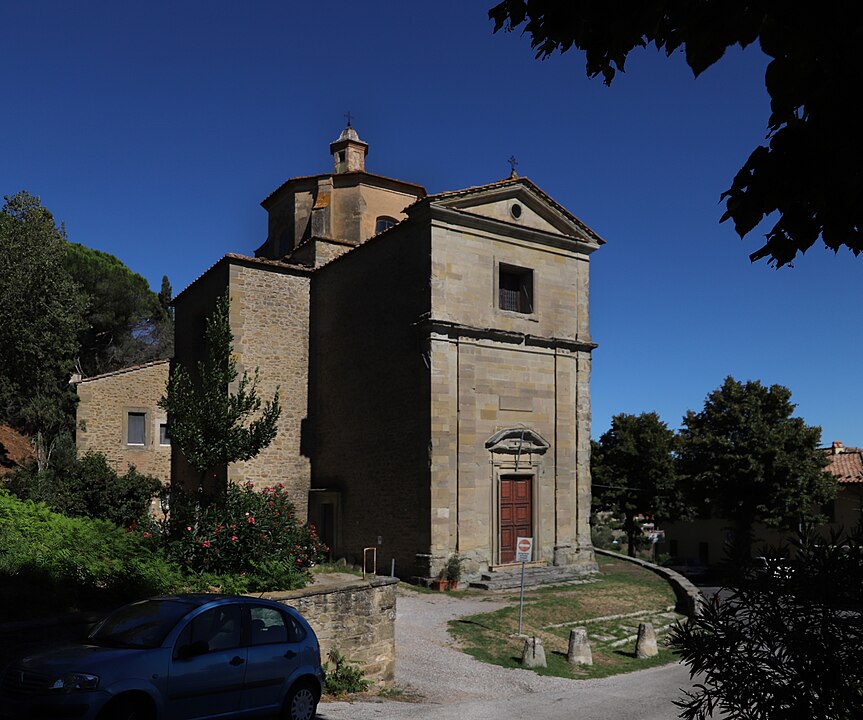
(206, 543)
(146, 534)
(234, 538)
(189, 528)
(251, 520)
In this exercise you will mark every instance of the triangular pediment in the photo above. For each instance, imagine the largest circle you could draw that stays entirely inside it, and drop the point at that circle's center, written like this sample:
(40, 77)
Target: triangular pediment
(520, 203)
(517, 441)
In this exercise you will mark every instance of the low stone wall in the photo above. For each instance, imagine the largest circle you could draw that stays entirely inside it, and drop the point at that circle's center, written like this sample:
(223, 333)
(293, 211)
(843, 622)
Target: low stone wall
(689, 597)
(356, 617)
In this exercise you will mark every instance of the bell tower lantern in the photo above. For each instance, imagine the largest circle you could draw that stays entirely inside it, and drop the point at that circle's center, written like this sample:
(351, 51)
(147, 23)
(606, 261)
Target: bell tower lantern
(349, 152)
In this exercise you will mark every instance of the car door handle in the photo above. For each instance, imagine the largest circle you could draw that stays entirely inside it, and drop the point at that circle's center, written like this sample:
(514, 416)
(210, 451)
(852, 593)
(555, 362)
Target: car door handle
(290, 654)
(236, 660)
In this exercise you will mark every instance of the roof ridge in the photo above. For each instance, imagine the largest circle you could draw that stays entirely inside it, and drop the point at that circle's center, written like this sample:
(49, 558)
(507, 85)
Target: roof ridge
(120, 371)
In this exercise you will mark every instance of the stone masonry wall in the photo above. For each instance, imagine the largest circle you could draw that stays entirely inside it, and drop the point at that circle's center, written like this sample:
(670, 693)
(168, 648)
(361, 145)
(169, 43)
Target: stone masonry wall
(102, 418)
(482, 384)
(270, 322)
(370, 388)
(356, 618)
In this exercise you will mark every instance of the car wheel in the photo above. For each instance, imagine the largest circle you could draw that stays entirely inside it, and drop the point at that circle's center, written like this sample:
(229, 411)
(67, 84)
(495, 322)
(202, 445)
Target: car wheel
(126, 710)
(301, 703)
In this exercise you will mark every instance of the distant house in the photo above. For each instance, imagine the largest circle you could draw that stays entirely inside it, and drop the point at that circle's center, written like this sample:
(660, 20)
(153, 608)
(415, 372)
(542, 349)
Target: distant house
(433, 355)
(846, 465)
(118, 416)
(705, 539)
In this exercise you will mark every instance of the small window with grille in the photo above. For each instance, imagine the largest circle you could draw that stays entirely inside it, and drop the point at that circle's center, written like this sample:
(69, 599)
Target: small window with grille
(515, 289)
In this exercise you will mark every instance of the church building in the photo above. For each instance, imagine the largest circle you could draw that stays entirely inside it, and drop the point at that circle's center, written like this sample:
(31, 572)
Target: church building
(433, 355)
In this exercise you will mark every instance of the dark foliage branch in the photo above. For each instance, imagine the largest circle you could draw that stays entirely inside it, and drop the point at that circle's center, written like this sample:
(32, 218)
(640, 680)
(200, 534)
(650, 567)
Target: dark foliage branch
(787, 643)
(809, 172)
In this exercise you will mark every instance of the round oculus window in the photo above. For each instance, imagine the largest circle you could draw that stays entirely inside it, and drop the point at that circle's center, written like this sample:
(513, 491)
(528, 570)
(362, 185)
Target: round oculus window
(515, 210)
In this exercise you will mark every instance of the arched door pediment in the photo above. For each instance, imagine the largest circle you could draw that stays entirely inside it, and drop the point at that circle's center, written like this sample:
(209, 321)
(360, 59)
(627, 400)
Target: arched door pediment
(517, 441)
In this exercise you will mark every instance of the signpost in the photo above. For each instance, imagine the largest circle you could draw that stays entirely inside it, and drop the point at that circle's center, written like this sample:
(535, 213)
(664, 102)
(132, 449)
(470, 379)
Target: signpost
(523, 554)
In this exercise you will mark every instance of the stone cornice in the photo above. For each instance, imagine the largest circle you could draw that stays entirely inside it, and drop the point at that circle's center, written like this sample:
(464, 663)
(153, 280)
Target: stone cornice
(458, 330)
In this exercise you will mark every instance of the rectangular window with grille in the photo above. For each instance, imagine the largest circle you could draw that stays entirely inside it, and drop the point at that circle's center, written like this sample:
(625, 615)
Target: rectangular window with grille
(515, 289)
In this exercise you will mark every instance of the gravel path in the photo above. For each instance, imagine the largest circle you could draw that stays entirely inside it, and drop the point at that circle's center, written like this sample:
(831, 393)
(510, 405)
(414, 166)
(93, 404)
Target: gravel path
(429, 663)
(451, 684)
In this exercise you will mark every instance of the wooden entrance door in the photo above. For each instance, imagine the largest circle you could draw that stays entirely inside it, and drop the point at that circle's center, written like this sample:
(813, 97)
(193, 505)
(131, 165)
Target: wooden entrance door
(516, 513)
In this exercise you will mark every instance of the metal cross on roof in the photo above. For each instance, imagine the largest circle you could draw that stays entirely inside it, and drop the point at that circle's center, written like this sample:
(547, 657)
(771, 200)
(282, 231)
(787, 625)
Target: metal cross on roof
(512, 163)
(348, 116)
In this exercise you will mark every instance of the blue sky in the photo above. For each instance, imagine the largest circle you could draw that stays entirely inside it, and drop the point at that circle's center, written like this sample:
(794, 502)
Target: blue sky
(153, 130)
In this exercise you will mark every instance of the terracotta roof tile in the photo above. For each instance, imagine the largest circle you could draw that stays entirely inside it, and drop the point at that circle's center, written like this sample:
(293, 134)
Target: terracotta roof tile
(131, 368)
(847, 465)
(248, 260)
(358, 173)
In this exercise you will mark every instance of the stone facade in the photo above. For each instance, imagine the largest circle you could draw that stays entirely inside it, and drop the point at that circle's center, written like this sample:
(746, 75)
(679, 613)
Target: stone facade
(433, 356)
(103, 418)
(269, 315)
(357, 618)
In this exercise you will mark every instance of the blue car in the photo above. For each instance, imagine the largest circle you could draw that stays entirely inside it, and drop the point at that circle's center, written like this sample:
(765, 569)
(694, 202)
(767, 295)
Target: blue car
(176, 657)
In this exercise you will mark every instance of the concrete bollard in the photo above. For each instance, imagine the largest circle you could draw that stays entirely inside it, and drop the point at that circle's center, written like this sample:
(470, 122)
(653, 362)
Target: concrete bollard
(533, 655)
(645, 644)
(579, 648)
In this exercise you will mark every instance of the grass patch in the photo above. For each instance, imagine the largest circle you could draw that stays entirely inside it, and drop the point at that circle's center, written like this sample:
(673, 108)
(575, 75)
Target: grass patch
(335, 568)
(550, 612)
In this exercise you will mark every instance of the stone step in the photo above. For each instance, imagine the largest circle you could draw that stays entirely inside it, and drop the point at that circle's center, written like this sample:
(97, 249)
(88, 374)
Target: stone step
(533, 577)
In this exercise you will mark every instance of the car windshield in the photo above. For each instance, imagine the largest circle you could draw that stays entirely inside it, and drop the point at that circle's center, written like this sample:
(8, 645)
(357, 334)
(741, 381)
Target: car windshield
(141, 625)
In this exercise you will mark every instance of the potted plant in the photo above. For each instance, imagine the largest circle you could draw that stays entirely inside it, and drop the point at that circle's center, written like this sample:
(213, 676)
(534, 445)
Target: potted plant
(453, 571)
(440, 583)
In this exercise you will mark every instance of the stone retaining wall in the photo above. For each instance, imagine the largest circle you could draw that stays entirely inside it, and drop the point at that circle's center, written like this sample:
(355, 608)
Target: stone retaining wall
(355, 617)
(689, 597)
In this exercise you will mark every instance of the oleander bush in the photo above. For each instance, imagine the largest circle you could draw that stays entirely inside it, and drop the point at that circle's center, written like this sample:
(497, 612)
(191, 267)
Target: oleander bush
(50, 562)
(254, 537)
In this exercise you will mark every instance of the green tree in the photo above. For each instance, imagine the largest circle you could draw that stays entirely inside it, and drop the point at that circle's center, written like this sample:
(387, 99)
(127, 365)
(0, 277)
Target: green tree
(127, 323)
(209, 423)
(786, 644)
(86, 486)
(745, 458)
(811, 171)
(41, 314)
(634, 473)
